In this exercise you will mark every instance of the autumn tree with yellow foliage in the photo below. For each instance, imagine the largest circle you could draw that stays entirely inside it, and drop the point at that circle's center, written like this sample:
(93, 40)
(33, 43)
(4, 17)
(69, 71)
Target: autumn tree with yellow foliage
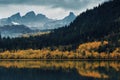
(84, 51)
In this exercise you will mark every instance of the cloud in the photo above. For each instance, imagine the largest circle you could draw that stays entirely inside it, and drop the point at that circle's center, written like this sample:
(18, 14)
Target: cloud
(52, 8)
(65, 4)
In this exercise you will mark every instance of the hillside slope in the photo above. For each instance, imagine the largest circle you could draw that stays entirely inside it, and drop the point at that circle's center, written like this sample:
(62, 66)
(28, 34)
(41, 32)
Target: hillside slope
(14, 30)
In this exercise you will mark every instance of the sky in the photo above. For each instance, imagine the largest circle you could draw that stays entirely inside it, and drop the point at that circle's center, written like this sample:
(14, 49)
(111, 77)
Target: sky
(55, 9)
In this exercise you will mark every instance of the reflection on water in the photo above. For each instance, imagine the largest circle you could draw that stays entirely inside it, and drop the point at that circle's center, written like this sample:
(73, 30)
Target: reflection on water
(59, 70)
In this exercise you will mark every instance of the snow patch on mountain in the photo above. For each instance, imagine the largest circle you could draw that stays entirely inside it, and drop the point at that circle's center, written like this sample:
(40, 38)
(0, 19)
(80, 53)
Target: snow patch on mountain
(15, 23)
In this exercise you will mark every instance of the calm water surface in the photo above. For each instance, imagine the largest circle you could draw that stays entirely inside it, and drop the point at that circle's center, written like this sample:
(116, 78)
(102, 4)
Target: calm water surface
(59, 70)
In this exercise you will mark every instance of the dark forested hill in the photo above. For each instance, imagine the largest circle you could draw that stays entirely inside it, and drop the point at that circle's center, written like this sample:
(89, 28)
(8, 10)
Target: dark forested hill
(96, 23)
(102, 22)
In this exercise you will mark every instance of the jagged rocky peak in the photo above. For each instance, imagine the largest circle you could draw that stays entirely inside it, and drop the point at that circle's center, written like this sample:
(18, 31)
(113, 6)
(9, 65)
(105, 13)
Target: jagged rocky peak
(30, 14)
(71, 14)
(41, 16)
(17, 15)
(70, 17)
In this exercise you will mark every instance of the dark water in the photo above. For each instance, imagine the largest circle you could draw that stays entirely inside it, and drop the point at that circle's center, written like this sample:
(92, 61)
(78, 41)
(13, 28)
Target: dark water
(59, 70)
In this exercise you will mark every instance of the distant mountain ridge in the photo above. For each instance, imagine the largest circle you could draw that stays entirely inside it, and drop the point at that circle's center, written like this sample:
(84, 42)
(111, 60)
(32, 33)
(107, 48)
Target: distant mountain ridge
(37, 21)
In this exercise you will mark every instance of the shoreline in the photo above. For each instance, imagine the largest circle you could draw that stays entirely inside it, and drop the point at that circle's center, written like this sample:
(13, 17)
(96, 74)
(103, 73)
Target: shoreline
(59, 59)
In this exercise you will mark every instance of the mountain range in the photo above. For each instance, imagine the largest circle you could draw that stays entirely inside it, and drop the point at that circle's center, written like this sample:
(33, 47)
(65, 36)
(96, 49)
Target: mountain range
(37, 21)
